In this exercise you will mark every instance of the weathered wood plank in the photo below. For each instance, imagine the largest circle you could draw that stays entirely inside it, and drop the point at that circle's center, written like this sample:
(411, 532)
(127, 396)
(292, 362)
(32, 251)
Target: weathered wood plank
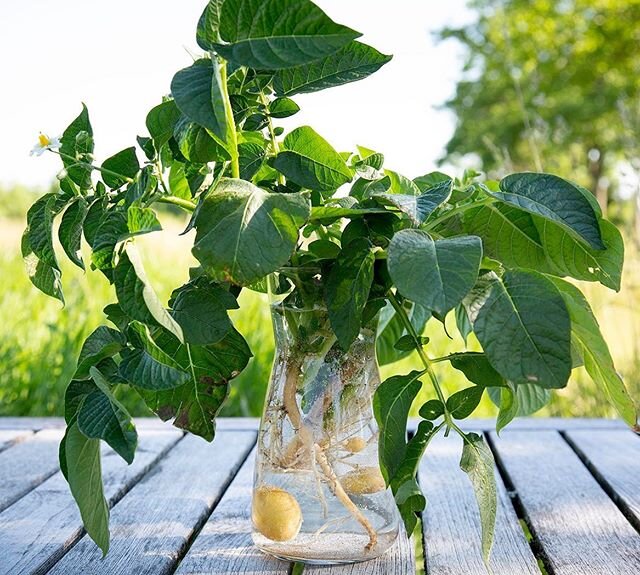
(32, 423)
(224, 545)
(37, 530)
(451, 521)
(613, 457)
(579, 528)
(398, 560)
(37, 423)
(152, 524)
(537, 423)
(27, 464)
(9, 437)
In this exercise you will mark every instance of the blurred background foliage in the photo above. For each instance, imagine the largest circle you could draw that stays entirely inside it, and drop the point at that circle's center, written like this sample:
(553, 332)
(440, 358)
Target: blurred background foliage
(546, 85)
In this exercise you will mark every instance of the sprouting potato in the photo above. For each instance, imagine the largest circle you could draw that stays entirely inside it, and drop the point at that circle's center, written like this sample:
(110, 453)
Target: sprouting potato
(276, 513)
(355, 444)
(363, 481)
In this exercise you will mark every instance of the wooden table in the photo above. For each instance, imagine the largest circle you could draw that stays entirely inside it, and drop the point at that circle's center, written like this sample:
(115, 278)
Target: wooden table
(569, 499)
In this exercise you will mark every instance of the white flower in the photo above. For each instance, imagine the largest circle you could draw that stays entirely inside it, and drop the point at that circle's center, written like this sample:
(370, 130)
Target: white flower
(45, 143)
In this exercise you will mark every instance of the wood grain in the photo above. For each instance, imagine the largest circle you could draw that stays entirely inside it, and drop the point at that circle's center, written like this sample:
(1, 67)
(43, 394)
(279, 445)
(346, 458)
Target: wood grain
(613, 457)
(38, 529)
(536, 423)
(579, 528)
(452, 538)
(152, 524)
(27, 464)
(224, 545)
(9, 437)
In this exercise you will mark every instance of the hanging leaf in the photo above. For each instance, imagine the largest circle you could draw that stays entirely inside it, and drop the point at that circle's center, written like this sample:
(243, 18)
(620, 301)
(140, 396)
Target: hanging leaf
(102, 343)
(76, 146)
(125, 164)
(391, 329)
(161, 121)
(70, 230)
(262, 34)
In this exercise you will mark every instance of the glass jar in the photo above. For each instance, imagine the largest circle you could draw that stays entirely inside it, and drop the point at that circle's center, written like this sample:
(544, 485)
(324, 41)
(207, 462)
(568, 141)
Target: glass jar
(318, 494)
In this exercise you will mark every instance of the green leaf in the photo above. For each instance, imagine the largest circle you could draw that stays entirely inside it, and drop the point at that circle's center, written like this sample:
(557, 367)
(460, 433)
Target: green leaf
(477, 462)
(84, 474)
(324, 249)
(136, 296)
(161, 122)
(37, 247)
(102, 416)
(410, 501)
(202, 312)
(196, 144)
(432, 409)
(283, 108)
(391, 403)
(124, 163)
(142, 221)
(463, 403)
(102, 343)
(555, 199)
(407, 343)
(347, 290)
(275, 34)
(529, 398)
(178, 183)
(309, 160)
(70, 230)
(329, 213)
(477, 369)
(250, 157)
(569, 257)
(508, 234)
(199, 94)
(435, 274)
(523, 326)
(431, 180)
(195, 405)
(245, 233)
(391, 328)
(586, 336)
(208, 33)
(76, 143)
(353, 62)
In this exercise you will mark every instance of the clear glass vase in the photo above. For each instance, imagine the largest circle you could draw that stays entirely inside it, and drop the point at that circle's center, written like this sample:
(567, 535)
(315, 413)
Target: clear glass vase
(318, 494)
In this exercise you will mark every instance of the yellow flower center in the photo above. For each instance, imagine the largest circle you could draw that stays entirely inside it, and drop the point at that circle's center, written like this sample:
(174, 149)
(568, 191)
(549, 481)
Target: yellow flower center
(44, 140)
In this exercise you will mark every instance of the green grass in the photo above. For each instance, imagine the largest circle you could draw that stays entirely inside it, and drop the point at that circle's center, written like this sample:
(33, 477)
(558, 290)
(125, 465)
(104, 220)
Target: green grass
(40, 340)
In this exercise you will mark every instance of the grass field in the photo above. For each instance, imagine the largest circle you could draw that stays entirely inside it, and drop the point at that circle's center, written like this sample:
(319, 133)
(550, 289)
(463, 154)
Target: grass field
(40, 340)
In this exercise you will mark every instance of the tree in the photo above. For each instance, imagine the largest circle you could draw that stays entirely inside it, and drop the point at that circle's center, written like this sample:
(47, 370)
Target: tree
(548, 86)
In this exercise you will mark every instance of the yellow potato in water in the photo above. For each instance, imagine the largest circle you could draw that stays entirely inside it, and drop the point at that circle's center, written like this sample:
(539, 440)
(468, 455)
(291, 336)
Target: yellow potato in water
(363, 481)
(355, 444)
(276, 513)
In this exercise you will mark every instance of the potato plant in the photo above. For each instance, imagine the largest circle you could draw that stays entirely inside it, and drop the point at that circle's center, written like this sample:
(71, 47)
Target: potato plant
(387, 248)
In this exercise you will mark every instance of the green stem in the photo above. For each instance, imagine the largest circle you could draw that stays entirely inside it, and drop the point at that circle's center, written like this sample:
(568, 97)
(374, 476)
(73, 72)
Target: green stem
(429, 225)
(274, 143)
(184, 204)
(233, 135)
(92, 167)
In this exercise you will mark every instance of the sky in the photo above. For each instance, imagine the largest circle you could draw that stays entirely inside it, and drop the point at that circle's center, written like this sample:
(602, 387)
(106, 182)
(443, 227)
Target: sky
(118, 57)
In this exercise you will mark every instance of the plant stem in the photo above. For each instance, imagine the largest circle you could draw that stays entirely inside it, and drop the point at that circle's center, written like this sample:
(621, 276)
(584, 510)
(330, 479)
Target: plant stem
(272, 134)
(233, 135)
(184, 204)
(429, 225)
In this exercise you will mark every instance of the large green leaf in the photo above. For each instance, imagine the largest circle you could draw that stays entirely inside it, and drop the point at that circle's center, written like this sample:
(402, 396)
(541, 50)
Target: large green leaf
(161, 121)
(102, 416)
(76, 144)
(309, 160)
(347, 290)
(37, 247)
(245, 233)
(391, 329)
(477, 369)
(137, 297)
(70, 230)
(275, 34)
(463, 403)
(84, 474)
(477, 462)
(102, 343)
(435, 274)
(250, 157)
(195, 405)
(528, 397)
(570, 257)
(508, 234)
(208, 33)
(524, 328)
(597, 358)
(141, 221)
(391, 403)
(555, 199)
(354, 61)
(125, 164)
(201, 311)
(196, 144)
